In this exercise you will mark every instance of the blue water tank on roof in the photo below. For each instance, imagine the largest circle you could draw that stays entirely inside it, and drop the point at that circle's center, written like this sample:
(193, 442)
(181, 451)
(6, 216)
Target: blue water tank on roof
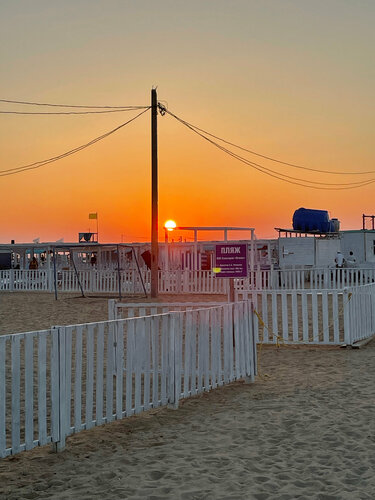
(309, 220)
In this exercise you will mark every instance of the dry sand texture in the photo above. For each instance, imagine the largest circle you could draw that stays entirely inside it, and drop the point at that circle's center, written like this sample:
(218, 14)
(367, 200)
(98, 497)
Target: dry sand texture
(305, 431)
(25, 311)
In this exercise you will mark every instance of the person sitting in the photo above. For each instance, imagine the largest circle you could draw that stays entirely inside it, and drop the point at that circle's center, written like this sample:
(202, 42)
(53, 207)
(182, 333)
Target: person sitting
(351, 261)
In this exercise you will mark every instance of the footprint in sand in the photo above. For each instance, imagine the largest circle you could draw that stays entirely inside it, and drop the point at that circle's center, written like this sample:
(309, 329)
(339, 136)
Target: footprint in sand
(155, 475)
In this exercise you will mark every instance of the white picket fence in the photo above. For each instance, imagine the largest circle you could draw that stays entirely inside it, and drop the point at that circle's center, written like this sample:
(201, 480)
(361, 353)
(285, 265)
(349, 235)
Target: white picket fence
(94, 281)
(183, 282)
(29, 377)
(299, 316)
(360, 314)
(25, 280)
(313, 316)
(306, 279)
(60, 381)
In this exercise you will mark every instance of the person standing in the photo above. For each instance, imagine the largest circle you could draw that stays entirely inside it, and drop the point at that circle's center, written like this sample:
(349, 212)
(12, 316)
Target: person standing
(339, 260)
(34, 263)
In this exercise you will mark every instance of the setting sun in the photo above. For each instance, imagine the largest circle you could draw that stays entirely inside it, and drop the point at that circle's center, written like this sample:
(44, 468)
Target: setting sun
(170, 225)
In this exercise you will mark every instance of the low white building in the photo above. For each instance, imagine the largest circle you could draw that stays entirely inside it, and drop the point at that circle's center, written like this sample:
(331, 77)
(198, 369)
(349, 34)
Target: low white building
(361, 243)
(304, 250)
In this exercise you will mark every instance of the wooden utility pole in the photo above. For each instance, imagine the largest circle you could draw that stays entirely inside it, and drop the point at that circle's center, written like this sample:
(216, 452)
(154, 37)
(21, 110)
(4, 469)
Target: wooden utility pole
(154, 196)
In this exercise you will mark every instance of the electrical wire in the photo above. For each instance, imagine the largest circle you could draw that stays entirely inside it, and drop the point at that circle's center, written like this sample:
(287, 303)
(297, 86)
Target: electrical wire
(70, 112)
(268, 157)
(38, 164)
(28, 103)
(272, 173)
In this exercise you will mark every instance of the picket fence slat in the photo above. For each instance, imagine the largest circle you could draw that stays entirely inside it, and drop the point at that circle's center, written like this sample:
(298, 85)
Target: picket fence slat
(213, 344)
(89, 376)
(3, 407)
(305, 318)
(193, 351)
(99, 373)
(29, 396)
(206, 351)
(68, 374)
(119, 332)
(109, 373)
(130, 351)
(178, 353)
(78, 380)
(55, 386)
(139, 349)
(16, 381)
(42, 389)
(325, 317)
(147, 365)
(188, 354)
(155, 325)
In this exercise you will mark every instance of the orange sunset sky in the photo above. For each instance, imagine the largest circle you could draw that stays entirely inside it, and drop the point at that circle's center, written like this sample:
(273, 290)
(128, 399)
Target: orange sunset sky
(293, 80)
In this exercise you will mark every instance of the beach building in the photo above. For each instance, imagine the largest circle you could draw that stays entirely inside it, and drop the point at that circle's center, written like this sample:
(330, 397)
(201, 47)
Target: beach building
(315, 239)
(89, 253)
(361, 243)
(123, 268)
(297, 249)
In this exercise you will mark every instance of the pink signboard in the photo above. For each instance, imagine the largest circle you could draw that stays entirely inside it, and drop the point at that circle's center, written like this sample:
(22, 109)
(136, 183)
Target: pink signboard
(231, 260)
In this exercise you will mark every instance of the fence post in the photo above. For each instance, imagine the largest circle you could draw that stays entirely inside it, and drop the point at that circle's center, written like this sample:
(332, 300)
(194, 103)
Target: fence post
(173, 397)
(61, 414)
(346, 305)
(252, 347)
(254, 337)
(112, 309)
(247, 332)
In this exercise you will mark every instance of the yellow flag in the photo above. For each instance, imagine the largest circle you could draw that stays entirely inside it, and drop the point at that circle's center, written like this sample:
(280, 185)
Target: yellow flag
(93, 216)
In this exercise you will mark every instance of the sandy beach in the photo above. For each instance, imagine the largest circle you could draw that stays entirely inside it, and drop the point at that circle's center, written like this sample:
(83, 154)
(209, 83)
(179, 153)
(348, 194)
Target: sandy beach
(304, 429)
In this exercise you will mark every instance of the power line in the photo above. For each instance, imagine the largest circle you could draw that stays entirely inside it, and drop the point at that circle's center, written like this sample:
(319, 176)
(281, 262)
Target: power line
(71, 112)
(277, 175)
(30, 103)
(268, 157)
(38, 164)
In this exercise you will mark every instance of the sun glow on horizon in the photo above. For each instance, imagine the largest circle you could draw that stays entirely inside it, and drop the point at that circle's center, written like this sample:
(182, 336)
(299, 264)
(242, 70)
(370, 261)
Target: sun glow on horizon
(170, 225)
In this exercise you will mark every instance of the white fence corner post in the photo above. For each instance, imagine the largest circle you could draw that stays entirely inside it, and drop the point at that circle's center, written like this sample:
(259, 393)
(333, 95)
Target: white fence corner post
(254, 337)
(61, 414)
(248, 324)
(173, 397)
(346, 306)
